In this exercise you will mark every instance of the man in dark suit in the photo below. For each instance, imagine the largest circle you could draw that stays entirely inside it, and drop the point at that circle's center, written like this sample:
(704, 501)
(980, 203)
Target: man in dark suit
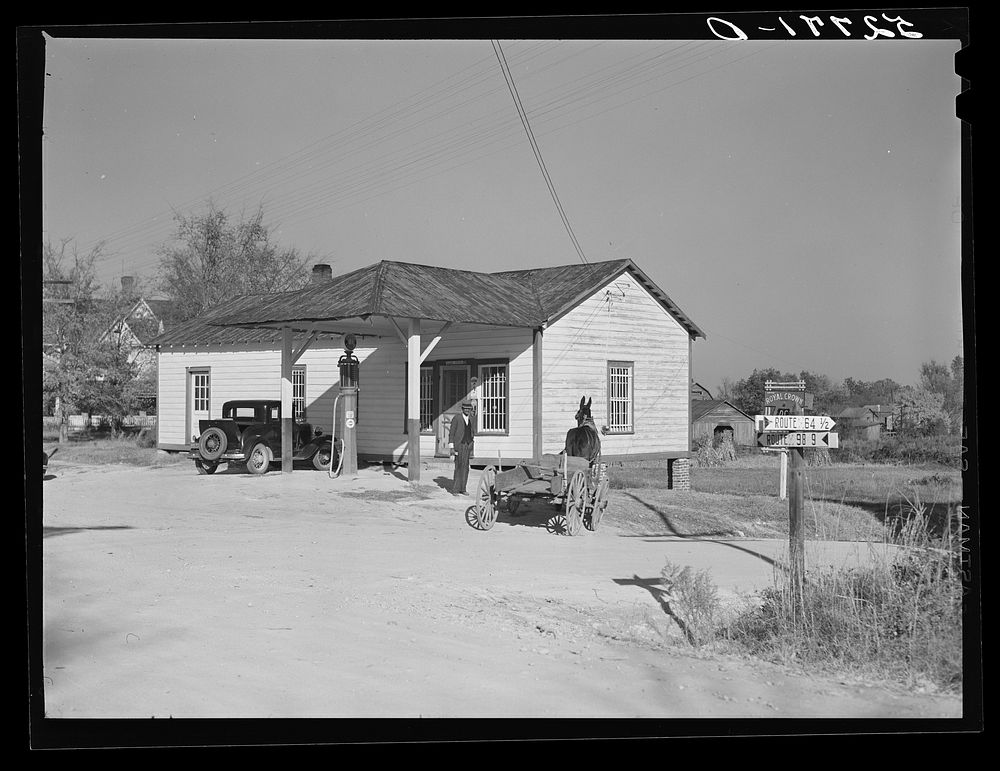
(461, 435)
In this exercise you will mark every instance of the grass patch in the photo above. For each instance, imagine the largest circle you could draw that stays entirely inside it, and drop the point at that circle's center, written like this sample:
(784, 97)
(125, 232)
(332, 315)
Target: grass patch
(842, 501)
(130, 450)
(900, 617)
(651, 512)
(897, 618)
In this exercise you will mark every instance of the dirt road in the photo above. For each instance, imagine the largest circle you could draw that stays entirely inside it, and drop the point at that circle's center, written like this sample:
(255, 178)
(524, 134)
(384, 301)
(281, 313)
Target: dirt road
(172, 594)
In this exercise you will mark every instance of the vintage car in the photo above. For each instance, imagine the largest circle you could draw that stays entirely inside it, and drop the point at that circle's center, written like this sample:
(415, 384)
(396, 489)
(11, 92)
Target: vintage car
(249, 433)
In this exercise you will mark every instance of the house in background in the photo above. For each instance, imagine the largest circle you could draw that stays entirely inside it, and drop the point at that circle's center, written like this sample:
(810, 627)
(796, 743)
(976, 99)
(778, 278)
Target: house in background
(869, 422)
(698, 391)
(713, 419)
(524, 346)
(143, 321)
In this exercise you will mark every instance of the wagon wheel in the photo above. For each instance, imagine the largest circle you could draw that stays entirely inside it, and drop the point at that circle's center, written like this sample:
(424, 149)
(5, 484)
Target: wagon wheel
(599, 504)
(487, 499)
(576, 500)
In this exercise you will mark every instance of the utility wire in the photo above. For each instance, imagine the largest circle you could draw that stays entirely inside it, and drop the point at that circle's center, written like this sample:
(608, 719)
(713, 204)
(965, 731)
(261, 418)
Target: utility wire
(498, 50)
(443, 152)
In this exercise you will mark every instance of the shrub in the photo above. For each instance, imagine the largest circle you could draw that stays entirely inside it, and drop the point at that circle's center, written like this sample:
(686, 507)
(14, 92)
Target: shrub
(901, 616)
(693, 601)
(709, 453)
(945, 449)
(146, 438)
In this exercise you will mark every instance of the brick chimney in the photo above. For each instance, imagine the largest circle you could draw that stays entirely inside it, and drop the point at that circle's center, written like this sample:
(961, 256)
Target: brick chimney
(321, 273)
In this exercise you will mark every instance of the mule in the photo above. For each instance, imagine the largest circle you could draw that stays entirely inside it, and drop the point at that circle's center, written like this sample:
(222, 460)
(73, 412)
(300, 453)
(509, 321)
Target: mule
(584, 441)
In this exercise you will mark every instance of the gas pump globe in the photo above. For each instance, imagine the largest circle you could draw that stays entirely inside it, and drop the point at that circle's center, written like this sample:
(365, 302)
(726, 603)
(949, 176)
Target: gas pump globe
(349, 384)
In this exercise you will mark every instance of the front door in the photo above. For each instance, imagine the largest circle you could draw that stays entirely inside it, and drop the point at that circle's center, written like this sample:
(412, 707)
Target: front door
(199, 399)
(454, 391)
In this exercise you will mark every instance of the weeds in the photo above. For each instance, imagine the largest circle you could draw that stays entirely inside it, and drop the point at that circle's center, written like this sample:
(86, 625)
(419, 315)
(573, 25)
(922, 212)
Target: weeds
(693, 601)
(136, 449)
(899, 617)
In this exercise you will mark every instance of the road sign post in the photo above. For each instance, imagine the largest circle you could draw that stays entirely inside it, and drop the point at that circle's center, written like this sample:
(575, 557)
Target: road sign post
(787, 401)
(796, 531)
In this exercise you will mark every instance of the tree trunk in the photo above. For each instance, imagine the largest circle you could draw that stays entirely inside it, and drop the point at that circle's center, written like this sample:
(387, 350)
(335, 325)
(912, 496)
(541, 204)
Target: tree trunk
(63, 421)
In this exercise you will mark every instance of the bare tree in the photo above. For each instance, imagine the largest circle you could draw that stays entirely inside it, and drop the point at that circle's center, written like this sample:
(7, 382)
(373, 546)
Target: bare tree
(212, 259)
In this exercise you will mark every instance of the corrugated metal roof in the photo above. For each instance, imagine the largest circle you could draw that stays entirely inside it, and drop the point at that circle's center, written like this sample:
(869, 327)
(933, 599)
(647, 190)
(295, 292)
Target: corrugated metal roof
(202, 330)
(395, 289)
(401, 290)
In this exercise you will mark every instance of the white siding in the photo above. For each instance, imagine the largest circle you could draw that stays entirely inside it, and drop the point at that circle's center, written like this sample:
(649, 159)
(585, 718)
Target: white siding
(242, 372)
(382, 427)
(249, 372)
(621, 322)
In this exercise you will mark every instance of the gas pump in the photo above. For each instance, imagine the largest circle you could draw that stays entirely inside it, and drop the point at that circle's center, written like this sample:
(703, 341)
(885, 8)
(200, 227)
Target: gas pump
(349, 376)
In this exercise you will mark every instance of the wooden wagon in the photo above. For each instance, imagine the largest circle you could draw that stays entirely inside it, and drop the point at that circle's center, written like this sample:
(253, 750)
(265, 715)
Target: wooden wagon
(579, 488)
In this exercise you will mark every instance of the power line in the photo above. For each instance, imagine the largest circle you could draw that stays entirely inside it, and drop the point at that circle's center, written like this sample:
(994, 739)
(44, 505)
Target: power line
(368, 179)
(459, 145)
(534, 146)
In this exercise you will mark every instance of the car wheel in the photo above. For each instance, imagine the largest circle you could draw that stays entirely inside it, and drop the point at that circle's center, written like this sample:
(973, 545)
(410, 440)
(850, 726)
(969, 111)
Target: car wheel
(212, 443)
(321, 459)
(205, 467)
(257, 461)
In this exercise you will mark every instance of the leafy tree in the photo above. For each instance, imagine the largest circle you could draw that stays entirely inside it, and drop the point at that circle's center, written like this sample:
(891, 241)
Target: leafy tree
(859, 393)
(68, 289)
(948, 381)
(213, 258)
(748, 393)
(83, 368)
(920, 412)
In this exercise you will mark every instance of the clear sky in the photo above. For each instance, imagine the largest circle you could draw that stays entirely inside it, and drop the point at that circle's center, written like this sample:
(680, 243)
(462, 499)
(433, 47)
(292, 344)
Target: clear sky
(799, 200)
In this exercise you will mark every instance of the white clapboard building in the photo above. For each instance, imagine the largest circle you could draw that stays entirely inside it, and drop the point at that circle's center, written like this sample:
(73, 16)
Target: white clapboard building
(524, 346)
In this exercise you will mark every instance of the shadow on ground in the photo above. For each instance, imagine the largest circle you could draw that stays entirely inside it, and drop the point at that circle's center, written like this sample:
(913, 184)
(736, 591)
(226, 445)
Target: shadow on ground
(48, 532)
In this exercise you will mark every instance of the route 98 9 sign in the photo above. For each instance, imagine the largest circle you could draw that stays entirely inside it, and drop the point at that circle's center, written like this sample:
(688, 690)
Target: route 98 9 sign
(816, 440)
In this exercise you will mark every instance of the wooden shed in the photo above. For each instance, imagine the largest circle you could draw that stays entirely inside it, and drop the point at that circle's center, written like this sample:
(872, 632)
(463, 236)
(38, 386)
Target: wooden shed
(711, 418)
(524, 346)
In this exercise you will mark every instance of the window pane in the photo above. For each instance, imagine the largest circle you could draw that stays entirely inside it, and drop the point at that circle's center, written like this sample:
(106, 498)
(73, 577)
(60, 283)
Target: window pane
(620, 397)
(493, 398)
(426, 399)
(298, 393)
(201, 391)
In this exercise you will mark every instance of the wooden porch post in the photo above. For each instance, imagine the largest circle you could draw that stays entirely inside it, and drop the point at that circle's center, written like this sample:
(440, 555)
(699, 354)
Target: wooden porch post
(537, 429)
(286, 399)
(413, 399)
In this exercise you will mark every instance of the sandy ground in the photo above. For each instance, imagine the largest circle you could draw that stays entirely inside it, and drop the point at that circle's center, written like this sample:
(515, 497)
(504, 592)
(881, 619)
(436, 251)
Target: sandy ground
(168, 594)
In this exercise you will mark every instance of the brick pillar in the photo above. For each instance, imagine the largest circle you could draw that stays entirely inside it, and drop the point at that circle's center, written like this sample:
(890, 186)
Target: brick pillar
(679, 474)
